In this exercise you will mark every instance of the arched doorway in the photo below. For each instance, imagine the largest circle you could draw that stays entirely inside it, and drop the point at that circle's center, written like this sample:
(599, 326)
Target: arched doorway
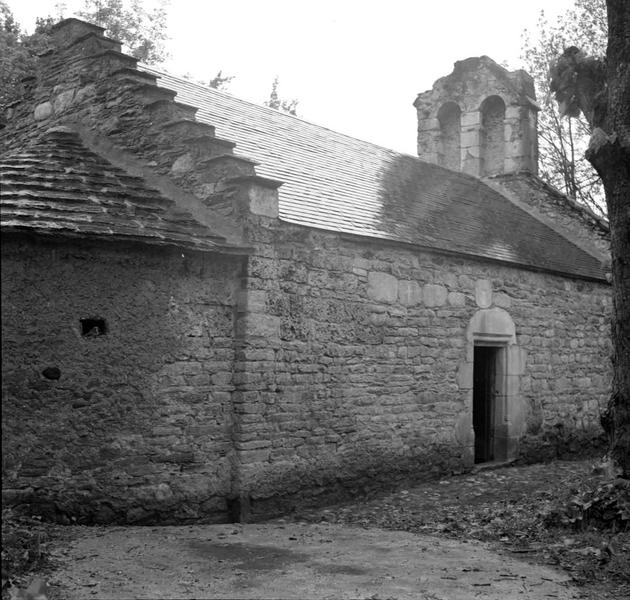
(491, 377)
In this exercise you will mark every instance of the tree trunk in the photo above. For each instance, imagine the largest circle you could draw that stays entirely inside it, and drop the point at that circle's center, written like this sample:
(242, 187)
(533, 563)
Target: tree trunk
(609, 153)
(617, 188)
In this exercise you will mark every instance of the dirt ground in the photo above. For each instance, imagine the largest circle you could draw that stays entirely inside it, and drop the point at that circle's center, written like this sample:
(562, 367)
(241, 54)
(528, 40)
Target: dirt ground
(478, 535)
(290, 561)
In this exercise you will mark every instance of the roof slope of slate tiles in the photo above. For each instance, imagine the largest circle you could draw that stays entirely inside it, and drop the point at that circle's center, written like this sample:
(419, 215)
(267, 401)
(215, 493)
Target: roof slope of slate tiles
(335, 182)
(58, 186)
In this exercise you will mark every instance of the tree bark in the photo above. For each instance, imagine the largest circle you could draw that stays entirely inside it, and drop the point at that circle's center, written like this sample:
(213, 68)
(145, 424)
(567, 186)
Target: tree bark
(609, 153)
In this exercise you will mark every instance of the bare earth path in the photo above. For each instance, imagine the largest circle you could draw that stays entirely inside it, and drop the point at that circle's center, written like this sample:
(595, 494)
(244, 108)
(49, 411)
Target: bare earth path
(290, 561)
(470, 536)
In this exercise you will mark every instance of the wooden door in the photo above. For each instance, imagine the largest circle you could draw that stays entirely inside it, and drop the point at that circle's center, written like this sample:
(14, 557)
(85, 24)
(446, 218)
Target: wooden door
(484, 393)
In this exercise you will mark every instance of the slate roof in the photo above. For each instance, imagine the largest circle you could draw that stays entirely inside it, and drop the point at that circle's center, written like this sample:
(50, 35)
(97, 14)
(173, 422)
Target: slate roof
(339, 183)
(58, 186)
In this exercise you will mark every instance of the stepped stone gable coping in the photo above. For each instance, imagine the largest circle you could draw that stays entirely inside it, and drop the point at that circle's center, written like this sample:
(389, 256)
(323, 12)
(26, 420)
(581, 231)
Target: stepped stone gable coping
(119, 124)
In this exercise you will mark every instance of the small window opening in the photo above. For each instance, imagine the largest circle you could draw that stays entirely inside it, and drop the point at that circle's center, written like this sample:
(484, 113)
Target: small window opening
(93, 327)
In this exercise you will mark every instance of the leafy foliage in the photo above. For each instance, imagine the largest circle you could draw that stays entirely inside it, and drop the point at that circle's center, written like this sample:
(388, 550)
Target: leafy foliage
(275, 102)
(24, 548)
(218, 82)
(18, 52)
(606, 506)
(563, 142)
(142, 32)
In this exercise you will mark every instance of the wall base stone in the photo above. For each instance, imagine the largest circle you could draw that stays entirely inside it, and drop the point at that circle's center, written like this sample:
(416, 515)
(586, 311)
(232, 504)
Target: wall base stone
(306, 486)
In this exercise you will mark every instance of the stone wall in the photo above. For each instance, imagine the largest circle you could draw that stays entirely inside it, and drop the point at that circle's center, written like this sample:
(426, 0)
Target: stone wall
(131, 426)
(328, 366)
(358, 375)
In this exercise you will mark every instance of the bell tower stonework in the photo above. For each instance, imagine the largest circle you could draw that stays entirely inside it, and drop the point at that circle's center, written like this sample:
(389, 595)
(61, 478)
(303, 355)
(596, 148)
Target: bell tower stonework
(481, 120)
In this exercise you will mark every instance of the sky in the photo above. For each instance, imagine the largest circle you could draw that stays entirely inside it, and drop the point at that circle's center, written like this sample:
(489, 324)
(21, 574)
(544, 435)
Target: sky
(354, 66)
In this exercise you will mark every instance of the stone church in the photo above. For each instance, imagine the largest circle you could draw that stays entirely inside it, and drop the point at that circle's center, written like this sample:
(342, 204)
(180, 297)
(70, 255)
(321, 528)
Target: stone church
(212, 310)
